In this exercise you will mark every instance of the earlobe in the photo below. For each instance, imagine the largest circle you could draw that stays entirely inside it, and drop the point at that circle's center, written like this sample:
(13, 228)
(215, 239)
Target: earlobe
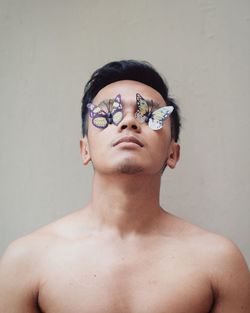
(84, 150)
(174, 155)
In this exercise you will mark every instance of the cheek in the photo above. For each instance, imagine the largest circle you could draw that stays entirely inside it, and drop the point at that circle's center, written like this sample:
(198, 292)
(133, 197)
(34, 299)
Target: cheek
(94, 132)
(99, 142)
(167, 127)
(93, 135)
(160, 142)
(160, 137)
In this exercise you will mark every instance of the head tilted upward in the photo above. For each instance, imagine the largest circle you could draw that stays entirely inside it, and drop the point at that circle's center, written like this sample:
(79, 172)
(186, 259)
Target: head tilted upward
(129, 70)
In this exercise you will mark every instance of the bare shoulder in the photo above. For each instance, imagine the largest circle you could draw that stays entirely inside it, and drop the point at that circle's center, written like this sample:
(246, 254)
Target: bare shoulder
(228, 270)
(214, 248)
(19, 276)
(22, 256)
(229, 274)
(22, 265)
(29, 249)
(222, 262)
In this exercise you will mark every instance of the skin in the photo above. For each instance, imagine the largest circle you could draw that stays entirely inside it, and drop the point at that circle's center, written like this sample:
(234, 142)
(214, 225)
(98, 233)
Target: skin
(123, 252)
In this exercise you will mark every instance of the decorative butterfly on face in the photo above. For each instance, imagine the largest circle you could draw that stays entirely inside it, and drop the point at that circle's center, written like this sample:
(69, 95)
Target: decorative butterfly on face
(107, 112)
(154, 118)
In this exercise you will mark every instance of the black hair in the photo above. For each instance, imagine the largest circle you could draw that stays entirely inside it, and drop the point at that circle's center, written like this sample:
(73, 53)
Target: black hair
(140, 71)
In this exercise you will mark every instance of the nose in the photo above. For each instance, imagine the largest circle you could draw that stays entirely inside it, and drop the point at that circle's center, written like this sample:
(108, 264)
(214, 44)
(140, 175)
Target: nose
(129, 122)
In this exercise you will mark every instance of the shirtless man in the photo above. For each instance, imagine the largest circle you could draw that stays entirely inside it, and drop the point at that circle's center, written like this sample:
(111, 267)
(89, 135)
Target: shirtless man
(123, 253)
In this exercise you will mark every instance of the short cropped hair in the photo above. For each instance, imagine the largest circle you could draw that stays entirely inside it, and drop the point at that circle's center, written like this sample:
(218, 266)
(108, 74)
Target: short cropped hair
(140, 71)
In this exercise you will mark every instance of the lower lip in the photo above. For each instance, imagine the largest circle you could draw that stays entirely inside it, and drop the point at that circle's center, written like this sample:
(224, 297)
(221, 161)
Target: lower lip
(128, 144)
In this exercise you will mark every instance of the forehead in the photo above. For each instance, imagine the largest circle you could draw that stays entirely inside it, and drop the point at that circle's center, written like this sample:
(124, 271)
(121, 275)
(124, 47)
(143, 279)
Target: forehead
(128, 90)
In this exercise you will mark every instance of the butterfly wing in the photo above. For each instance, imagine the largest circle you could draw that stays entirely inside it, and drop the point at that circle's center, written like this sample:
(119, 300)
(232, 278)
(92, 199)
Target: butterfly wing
(117, 103)
(100, 121)
(142, 108)
(116, 110)
(159, 116)
(93, 109)
(117, 117)
(98, 116)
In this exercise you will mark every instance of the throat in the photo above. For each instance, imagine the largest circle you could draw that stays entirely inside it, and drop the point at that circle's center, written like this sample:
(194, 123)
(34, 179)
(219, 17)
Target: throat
(127, 206)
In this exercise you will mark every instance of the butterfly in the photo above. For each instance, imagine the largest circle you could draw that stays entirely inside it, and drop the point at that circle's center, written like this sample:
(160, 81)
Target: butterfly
(107, 112)
(154, 118)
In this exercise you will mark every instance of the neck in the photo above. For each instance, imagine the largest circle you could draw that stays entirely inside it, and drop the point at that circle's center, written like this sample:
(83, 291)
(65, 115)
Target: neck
(126, 204)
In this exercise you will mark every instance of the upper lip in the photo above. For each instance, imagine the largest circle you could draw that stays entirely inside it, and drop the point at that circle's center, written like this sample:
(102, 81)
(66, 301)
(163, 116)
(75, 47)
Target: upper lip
(128, 139)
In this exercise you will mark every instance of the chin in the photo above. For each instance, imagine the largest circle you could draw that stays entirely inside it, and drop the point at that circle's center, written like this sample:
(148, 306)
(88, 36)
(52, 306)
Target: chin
(129, 169)
(129, 166)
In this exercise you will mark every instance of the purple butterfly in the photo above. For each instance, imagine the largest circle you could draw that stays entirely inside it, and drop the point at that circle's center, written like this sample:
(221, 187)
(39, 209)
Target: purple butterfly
(106, 113)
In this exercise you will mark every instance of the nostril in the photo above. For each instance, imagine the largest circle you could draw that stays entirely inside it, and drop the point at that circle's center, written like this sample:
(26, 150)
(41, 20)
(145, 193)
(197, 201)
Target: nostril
(124, 126)
(134, 126)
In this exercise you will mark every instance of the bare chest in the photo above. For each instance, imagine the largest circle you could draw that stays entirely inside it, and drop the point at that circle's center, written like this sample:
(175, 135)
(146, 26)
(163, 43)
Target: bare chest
(99, 282)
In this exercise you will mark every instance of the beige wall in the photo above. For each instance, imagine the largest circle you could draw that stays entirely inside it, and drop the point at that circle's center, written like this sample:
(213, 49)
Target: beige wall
(48, 49)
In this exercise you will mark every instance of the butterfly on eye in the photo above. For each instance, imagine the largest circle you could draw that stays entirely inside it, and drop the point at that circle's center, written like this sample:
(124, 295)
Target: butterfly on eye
(154, 118)
(107, 112)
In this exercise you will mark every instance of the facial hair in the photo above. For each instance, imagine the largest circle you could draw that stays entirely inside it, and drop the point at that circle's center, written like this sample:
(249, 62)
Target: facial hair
(129, 167)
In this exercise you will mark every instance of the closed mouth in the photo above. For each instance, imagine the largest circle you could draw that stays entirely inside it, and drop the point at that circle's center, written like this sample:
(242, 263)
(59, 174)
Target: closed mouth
(128, 139)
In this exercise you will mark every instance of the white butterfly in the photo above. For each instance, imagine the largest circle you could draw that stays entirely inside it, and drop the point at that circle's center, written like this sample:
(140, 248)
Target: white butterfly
(146, 114)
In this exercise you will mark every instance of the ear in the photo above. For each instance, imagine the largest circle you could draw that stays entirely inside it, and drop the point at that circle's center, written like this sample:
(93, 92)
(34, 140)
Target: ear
(174, 154)
(84, 150)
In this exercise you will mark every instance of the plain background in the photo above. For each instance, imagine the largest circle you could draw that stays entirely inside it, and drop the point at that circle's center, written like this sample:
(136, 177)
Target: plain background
(48, 50)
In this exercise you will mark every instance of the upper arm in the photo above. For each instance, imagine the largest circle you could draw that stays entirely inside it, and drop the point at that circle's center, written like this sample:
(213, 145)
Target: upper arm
(231, 281)
(17, 280)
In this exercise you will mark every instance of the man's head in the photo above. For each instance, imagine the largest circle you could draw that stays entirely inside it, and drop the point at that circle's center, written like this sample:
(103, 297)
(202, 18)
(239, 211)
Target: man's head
(125, 134)
(128, 70)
